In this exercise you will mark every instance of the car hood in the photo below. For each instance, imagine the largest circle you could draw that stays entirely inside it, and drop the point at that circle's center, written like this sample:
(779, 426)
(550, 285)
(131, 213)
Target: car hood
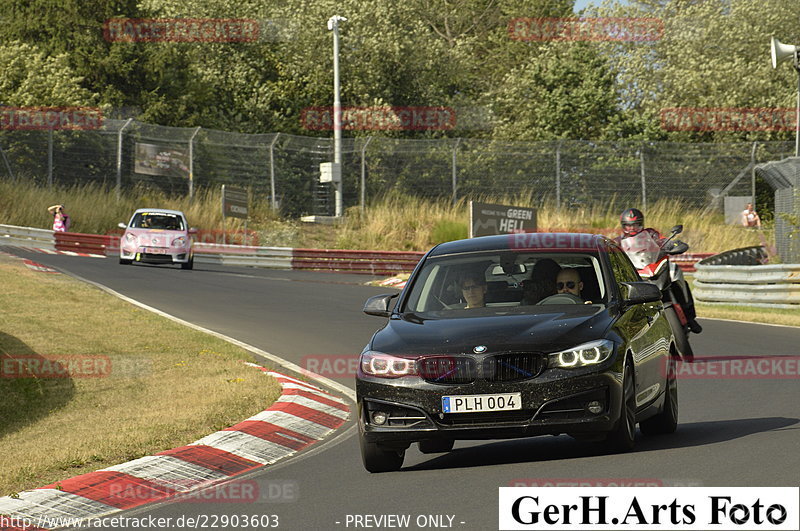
(545, 332)
(156, 236)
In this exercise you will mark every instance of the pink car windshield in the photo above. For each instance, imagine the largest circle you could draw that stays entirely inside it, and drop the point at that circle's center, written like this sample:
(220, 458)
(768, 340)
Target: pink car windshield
(157, 221)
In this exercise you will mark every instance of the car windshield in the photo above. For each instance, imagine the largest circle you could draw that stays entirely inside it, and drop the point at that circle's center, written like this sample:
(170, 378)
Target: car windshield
(502, 282)
(161, 221)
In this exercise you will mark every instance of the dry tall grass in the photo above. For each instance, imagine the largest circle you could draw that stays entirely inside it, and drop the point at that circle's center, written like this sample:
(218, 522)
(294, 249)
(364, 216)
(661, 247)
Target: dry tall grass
(410, 223)
(396, 222)
(96, 210)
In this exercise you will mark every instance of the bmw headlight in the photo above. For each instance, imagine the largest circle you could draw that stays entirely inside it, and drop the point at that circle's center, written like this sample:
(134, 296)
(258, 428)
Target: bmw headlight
(385, 366)
(590, 353)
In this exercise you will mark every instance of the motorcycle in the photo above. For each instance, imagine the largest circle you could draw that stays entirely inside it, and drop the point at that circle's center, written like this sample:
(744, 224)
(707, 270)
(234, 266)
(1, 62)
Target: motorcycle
(651, 258)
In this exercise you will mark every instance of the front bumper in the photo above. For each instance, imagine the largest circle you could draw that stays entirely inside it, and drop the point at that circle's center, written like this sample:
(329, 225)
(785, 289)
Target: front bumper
(552, 403)
(156, 255)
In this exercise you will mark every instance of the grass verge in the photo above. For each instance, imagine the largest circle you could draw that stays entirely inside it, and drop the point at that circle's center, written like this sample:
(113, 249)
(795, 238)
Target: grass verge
(167, 385)
(780, 316)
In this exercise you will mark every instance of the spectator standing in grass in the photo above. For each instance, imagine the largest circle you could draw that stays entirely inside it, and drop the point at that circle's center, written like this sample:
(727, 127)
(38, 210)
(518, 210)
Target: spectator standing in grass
(750, 217)
(61, 220)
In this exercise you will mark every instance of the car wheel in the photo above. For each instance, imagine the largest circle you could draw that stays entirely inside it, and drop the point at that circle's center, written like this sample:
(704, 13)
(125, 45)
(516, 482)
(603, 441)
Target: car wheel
(378, 458)
(667, 420)
(437, 446)
(123, 261)
(621, 439)
(681, 336)
(189, 264)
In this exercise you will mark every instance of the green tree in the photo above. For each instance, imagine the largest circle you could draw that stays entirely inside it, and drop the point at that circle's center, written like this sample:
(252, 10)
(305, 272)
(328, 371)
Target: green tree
(712, 54)
(32, 78)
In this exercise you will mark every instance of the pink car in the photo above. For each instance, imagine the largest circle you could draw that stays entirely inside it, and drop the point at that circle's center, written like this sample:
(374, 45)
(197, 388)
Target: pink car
(157, 236)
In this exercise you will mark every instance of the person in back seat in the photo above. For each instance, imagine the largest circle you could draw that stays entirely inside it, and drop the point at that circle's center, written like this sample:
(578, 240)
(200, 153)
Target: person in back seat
(542, 282)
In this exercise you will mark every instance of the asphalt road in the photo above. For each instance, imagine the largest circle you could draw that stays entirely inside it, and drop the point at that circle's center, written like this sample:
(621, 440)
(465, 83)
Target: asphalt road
(732, 433)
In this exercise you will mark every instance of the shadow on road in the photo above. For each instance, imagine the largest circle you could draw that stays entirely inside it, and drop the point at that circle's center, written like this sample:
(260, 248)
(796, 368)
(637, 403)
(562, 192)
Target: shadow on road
(549, 448)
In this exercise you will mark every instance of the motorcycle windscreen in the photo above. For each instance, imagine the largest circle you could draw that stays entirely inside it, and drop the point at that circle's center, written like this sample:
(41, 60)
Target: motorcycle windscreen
(642, 249)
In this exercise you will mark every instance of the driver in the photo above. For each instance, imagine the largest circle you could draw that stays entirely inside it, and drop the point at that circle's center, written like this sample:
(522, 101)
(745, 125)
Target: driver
(569, 281)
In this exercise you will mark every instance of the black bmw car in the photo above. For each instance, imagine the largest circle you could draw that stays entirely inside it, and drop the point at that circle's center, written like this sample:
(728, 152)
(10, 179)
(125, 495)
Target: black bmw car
(515, 336)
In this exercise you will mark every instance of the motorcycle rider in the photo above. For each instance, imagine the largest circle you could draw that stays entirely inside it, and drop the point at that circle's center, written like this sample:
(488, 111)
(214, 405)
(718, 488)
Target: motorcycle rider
(632, 221)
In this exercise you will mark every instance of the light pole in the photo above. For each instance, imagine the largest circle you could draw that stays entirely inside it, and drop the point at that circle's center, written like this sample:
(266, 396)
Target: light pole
(333, 25)
(781, 52)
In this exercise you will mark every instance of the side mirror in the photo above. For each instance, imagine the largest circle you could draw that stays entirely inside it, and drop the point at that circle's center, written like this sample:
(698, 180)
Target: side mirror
(122, 225)
(677, 229)
(678, 247)
(379, 305)
(192, 230)
(640, 292)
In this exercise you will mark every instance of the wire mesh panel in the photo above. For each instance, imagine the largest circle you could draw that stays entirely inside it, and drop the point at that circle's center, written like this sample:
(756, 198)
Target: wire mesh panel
(419, 167)
(600, 172)
(784, 177)
(179, 160)
(487, 168)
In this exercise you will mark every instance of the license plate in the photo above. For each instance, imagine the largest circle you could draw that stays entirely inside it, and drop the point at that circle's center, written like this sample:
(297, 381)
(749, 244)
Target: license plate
(156, 250)
(481, 403)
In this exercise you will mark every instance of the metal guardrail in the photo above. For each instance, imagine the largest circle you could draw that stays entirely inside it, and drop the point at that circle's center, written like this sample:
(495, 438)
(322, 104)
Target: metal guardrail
(26, 237)
(688, 261)
(736, 277)
(83, 243)
(367, 262)
(352, 261)
(269, 257)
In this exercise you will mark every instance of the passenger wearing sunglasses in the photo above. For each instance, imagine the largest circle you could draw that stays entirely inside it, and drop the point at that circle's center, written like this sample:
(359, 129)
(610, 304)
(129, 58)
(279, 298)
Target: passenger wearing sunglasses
(473, 288)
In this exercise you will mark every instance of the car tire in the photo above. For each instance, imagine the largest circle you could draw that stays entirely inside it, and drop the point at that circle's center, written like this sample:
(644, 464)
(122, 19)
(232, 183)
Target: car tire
(681, 336)
(666, 421)
(622, 437)
(437, 446)
(378, 458)
(189, 264)
(124, 261)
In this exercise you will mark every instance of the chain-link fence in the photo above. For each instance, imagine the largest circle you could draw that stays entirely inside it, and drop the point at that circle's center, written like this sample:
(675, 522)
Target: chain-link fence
(784, 177)
(284, 169)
